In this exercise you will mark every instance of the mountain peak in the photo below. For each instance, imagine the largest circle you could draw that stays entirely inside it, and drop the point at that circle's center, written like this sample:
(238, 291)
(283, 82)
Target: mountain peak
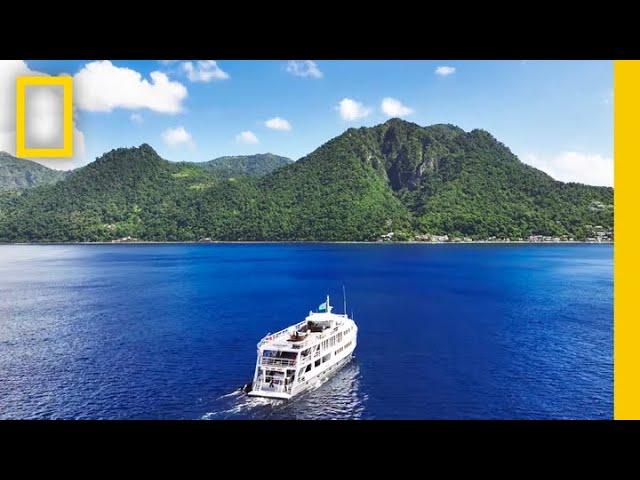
(399, 121)
(145, 147)
(143, 151)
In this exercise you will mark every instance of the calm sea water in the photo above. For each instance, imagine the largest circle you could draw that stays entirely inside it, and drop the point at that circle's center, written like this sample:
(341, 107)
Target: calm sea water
(170, 331)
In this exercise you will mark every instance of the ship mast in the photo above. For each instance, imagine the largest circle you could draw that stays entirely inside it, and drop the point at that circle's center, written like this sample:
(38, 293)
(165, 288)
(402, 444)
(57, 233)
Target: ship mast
(344, 300)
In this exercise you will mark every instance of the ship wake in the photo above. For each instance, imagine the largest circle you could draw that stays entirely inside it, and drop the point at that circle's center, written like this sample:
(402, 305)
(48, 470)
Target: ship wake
(336, 397)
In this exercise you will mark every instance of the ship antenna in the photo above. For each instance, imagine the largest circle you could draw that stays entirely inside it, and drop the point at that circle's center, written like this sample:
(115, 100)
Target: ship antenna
(344, 300)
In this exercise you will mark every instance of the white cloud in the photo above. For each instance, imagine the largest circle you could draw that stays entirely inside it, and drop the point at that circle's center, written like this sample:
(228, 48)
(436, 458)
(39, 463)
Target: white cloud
(135, 117)
(101, 87)
(394, 108)
(9, 70)
(177, 136)
(278, 123)
(591, 169)
(445, 70)
(304, 68)
(352, 110)
(247, 137)
(204, 71)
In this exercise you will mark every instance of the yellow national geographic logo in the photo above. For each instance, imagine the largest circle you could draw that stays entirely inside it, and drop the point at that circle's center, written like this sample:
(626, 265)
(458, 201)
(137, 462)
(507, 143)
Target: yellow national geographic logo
(44, 117)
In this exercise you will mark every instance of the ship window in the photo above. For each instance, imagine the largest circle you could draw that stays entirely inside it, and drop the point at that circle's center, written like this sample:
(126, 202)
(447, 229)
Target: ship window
(317, 362)
(326, 357)
(308, 368)
(279, 354)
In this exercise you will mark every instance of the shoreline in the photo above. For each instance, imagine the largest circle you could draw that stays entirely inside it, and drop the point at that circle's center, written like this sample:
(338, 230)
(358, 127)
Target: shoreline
(328, 242)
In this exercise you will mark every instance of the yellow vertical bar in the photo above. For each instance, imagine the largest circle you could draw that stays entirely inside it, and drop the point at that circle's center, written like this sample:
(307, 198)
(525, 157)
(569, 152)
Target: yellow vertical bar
(68, 116)
(20, 126)
(627, 248)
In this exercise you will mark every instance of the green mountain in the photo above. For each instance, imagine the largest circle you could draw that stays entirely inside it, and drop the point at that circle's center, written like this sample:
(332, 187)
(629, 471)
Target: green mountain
(397, 177)
(469, 184)
(16, 173)
(245, 165)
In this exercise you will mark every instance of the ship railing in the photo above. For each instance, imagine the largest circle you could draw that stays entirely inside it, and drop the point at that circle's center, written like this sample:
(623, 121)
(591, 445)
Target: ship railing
(307, 341)
(285, 362)
(286, 331)
(275, 386)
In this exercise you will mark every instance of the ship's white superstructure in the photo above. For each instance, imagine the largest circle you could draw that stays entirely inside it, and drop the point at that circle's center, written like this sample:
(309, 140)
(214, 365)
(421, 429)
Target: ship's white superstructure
(304, 355)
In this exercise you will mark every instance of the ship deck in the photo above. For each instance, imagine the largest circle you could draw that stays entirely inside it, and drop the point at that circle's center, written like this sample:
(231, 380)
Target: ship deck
(310, 331)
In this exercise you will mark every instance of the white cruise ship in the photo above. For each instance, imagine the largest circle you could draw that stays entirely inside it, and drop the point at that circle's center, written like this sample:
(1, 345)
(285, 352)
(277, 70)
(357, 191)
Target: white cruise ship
(304, 355)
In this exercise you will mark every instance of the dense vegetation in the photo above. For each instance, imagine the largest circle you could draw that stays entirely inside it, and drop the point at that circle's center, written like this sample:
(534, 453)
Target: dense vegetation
(245, 165)
(16, 173)
(469, 184)
(397, 176)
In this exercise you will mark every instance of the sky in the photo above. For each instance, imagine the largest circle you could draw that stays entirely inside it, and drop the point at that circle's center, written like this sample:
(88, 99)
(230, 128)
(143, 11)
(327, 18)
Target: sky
(555, 115)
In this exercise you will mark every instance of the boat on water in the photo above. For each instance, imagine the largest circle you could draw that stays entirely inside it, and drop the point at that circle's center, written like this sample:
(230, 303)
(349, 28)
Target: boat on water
(304, 355)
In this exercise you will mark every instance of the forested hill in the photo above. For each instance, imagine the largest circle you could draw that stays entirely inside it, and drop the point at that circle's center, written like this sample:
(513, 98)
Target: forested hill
(397, 176)
(245, 165)
(469, 184)
(17, 173)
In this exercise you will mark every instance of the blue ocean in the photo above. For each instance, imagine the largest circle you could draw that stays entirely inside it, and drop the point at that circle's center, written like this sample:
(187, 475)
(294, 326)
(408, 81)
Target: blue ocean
(170, 331)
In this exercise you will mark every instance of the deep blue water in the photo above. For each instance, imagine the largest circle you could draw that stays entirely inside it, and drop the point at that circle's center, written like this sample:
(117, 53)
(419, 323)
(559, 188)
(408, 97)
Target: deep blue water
(169, 331)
